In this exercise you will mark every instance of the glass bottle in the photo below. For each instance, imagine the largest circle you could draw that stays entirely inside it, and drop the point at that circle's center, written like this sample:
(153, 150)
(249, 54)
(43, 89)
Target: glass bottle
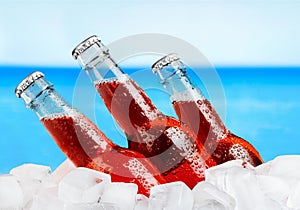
(164, 140)
(81, 141)
(197, 112)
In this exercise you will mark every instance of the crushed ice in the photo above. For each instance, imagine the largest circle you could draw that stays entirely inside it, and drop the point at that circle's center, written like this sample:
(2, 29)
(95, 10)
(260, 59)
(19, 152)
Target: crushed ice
(234, 185)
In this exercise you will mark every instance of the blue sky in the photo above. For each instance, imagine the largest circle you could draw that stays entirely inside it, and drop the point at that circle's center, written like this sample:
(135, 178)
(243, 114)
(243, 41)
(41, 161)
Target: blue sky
(228, 32)
(262, 105)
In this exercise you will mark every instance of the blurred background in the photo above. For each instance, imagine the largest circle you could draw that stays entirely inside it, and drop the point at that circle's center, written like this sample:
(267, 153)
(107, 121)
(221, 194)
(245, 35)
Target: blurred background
(254, 47)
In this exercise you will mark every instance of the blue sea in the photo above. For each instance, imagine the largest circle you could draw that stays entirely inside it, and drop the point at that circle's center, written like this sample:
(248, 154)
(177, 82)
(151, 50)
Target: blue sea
(260, 104)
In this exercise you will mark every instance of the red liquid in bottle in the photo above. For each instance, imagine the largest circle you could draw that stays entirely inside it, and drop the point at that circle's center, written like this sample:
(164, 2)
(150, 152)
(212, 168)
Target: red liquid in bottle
(87, 146)
(219, 142)
(154, 134)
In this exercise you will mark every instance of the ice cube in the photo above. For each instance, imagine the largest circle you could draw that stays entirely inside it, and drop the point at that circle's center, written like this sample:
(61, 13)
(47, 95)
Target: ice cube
(108, 206)
(31, 178)
(11, 195)
(31, 172)
(82, 185)
(171, 196)
(276, 188)
(79, 207)
(294, 197)
(43, 191)
(121, 194)
(263, 169)
(215, 174)
(241, 183)
(98, 206)
(46, 200)
(209, 197)
(62, 170)
(284, 166)
(141, 202)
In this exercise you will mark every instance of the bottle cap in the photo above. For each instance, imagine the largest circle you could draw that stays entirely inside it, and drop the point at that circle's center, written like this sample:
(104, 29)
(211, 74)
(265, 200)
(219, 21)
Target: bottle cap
(164, 61)
(27, 82)
(84, 45)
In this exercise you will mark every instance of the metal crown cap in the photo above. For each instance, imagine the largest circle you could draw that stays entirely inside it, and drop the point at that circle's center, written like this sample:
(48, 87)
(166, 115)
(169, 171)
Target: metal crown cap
(84, 45)
(164, 61)
(27, 82)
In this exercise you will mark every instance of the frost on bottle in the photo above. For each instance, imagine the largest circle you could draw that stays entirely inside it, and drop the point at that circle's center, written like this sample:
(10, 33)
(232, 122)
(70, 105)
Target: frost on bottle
(197, 112)
(167, 143)
(81, 141)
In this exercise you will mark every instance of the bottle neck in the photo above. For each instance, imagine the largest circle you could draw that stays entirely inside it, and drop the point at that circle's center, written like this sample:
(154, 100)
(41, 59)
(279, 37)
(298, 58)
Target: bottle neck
(44, 100)
(116, 88)
(179, 86)
(174, 79)
(98, 64)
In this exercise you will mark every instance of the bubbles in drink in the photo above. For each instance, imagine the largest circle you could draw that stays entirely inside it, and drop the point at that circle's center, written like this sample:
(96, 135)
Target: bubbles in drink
(139, 171)
(86, 146)
(239, 152)
(162, 139)
(147, 137)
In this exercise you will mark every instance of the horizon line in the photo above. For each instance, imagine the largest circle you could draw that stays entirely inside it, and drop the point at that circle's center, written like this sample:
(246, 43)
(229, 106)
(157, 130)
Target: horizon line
(144, 66)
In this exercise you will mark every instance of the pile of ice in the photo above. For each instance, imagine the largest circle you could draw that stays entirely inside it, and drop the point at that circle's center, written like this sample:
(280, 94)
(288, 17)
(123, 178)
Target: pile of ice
(274, 185)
